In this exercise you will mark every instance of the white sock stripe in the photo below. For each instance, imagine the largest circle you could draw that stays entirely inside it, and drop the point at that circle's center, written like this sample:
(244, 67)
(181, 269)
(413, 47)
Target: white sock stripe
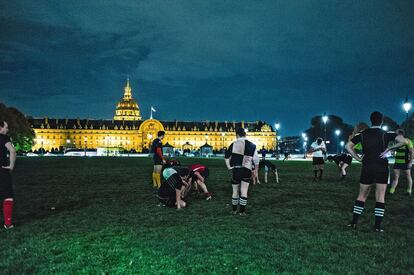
(379, 210)
(358, 207)
(379, 215)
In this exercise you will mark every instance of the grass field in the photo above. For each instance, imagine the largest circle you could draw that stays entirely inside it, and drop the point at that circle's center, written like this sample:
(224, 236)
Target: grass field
(99, 215)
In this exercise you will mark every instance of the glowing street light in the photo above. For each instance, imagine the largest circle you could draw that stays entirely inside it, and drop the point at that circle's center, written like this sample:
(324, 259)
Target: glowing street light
(342, 146)
(337, 133)
(385, 128)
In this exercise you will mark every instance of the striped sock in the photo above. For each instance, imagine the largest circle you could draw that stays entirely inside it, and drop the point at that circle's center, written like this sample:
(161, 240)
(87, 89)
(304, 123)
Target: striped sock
(243, 203)
(234, 203)
(379, 214)
(358, 209)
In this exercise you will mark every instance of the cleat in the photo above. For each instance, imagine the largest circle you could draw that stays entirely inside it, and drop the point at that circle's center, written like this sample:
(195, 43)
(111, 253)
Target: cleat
(379, 230)
(209, 196)
(352, 225)
(7, 227)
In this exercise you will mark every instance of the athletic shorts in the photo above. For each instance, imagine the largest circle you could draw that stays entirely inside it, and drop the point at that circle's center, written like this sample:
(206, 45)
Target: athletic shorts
(6, 184)
(157, 160)
(371, 174)
(271, 168)
(204, 174)
(318, 161)
(401, 166)
(241, 174)
(348, 160)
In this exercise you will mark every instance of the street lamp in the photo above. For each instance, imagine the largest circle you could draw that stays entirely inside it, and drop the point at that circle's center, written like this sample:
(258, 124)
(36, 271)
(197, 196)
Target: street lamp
(305, 138)
(325, 120)
(337, 133)
(277, 126)
(342, 146)
(385, 128)
(407, 108)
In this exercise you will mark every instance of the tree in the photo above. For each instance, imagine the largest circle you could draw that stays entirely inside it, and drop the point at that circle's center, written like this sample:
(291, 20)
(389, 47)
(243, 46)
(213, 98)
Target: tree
(20, 132)
(390, 123)
(408, 126)
(334, 123)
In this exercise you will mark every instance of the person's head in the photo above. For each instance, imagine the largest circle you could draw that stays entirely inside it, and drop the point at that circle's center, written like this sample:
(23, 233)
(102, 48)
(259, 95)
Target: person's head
(319, 141)
(400, 132)
(184, 172)
(160, 134)
(330, 158)
(376, 118)
(4, 127)
(240, 132)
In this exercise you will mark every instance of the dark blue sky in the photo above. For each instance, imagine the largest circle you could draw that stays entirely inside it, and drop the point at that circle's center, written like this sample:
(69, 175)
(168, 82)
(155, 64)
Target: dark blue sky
(209, 60)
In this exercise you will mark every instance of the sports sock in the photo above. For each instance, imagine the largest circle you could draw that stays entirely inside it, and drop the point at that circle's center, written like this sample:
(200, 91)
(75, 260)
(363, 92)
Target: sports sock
(379, 214)
(316, 173)
(8, 212)
(234, 203)
(320, 173)
(358, 209)
(158, 179)
(243, 203)
(392, 190)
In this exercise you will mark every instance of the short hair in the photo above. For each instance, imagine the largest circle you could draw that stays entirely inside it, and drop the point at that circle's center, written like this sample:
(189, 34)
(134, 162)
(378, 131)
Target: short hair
(330, 158)
(160, 133)
(376, 118)
(183, 172)
(319, 140)
(240, 132)
(400, 132)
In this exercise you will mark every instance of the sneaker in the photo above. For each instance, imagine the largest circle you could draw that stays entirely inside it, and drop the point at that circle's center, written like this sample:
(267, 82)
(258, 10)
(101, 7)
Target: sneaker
(379, 230)
(242, 214)
(209, 196)
(7, 227)
(352, 225)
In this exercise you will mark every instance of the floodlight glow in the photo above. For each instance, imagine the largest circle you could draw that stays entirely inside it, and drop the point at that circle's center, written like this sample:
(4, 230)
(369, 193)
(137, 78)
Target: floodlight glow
(342, 143)
(324, 118)
(277, 125)
(385, 128)
(407, 105)
(337, 132)
(303, 135)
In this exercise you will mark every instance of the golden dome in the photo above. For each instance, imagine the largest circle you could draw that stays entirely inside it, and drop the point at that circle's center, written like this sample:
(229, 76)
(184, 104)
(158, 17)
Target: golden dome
(127, 108)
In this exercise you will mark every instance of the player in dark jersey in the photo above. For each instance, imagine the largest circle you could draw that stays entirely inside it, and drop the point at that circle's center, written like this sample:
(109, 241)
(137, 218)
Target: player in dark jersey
(171, 190)
(158, 158)
(343, 161)
(7, 160)
(374, 166)
(198, 174)
(404, 157)
(268, 166)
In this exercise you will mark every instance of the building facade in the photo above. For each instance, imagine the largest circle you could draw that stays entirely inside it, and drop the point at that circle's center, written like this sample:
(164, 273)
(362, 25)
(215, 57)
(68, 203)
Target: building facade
(128, 131)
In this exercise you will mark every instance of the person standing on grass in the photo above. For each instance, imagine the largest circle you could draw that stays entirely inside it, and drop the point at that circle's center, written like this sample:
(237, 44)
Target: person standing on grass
(375, 169)
(239, 158)
(7, 160)
(404, 157)
(343, 161)
(318, 149)
(158, 159)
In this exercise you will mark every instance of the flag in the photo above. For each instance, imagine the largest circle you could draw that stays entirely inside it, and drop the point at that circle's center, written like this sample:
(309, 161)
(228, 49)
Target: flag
(152, 109)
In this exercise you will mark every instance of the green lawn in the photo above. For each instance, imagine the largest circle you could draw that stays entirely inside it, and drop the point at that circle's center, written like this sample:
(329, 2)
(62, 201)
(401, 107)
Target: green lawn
(106, 220)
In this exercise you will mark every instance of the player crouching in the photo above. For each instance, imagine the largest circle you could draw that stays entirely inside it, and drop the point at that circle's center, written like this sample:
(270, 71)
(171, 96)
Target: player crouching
(172, 190)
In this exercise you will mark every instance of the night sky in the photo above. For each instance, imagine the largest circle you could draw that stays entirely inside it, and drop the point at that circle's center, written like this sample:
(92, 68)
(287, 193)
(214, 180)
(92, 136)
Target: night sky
(209, 60)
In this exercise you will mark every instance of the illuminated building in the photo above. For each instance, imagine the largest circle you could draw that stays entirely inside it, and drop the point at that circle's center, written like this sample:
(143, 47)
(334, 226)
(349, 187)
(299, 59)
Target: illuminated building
(128, 131)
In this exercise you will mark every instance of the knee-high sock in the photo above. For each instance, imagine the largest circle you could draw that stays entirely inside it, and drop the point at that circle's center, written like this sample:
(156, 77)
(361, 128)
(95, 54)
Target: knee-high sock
(8, 212)
(379, 214)
(234, 203)
(358, 209)
(243, 203)
(158, 179)
(154, 180)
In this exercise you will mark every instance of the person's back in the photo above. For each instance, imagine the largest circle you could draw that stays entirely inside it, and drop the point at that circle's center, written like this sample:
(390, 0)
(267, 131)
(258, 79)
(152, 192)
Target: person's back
(374, 141)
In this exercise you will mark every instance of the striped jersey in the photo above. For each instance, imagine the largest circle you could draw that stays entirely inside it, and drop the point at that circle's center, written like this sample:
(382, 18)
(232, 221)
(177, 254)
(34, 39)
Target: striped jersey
(242, 154)
(402, 154)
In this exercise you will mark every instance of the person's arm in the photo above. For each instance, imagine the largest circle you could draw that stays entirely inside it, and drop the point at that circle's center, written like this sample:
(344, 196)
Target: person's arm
(178, 196)
(350, 147)
(401, 141)
(12, 153)
(227, 156)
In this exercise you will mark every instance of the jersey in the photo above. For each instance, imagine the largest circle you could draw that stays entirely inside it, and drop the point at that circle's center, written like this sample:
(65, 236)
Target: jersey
(4, 159)
(402, 154)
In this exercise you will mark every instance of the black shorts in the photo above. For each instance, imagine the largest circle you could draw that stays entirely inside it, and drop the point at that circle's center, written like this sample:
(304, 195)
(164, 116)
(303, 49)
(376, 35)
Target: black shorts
(318, 161)
(241, 174)
(348, 160)
(6, 184)
(157, 161)
(401, 166)
(371, 174)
